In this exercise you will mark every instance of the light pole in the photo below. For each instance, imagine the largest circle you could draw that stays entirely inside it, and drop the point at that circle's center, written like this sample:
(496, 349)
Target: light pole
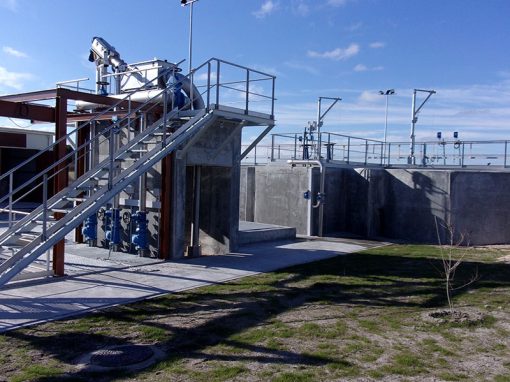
(194, 249)
(190, 3)
(386, 93)
(411, 159)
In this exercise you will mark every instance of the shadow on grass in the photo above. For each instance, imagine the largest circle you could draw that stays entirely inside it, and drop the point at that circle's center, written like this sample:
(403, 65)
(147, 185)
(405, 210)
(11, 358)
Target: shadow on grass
(226, 311)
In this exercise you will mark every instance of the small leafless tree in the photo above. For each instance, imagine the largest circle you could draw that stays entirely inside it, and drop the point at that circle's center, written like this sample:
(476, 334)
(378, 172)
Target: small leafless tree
(452, 258)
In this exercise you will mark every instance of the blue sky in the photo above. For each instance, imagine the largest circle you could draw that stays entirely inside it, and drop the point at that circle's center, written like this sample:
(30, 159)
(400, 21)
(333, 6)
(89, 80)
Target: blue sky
(337, 48)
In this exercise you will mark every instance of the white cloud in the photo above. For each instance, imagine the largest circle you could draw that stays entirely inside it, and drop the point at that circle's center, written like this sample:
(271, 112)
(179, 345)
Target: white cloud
(336, 54)
(13, 79)
(337, 3)
(364, 68)
(302, 8)
(360, 68)
(298, 66)
(11, 5)
(377, 44)
(354, 27)
(266, 9)
(13, 52)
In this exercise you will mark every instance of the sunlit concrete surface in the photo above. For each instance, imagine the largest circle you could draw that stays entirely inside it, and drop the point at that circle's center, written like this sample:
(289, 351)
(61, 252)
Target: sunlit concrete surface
(96, 280)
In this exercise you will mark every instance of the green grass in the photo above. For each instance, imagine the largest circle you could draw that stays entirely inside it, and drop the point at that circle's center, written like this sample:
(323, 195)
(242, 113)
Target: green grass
(34, 372)
(354, 316)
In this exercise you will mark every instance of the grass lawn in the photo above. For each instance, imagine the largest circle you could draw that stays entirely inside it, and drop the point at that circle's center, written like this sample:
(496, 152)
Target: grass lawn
(358, 317)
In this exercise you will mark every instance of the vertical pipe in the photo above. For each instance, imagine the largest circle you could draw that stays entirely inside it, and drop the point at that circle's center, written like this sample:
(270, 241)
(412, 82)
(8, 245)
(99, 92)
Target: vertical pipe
(322, 193)
(462, 156)
(195, 224)
(111, 148)
(366, 152)
(255, 157)
(309, 204)
(389, 155)
(295, 146)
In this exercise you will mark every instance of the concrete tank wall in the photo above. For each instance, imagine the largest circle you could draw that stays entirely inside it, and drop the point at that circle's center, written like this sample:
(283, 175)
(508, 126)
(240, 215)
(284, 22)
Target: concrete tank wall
(393, 203)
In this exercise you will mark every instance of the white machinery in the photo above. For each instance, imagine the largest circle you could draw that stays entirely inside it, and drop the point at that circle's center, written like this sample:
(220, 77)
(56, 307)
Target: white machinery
(151, 75)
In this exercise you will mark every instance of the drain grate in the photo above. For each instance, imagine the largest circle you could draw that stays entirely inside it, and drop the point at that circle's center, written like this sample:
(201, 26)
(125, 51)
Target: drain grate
(121, 356)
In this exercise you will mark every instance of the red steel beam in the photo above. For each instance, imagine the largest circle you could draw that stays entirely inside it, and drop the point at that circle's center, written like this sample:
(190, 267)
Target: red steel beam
(27, 111)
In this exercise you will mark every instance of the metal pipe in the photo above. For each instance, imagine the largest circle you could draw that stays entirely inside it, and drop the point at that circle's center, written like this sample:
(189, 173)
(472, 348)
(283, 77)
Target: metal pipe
(194, 249)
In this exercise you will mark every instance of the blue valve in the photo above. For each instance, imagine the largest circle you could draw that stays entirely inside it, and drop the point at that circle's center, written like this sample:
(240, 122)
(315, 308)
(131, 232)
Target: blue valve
(139, 238)
(89, 229)
(113, 232)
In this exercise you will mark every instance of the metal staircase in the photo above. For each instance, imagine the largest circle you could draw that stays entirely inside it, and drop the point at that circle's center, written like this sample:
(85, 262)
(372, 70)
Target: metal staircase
(36, 233)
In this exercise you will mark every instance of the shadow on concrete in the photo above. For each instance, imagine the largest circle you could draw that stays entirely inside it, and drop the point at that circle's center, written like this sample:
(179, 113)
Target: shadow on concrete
(199, 319)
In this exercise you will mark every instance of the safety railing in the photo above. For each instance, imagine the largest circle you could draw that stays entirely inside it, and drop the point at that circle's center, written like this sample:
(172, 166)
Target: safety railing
(234, 85)
(361, 151)
(128, 115)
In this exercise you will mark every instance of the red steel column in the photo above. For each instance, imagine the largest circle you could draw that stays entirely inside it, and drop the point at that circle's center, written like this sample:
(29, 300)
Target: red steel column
(60, 179)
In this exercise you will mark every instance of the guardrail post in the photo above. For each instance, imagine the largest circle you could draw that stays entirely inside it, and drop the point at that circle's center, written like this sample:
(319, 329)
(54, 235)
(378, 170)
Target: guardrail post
(247, 91)
(462, 156)
(272, 99)
(217, 83)
(11, 179)
(45, 207)
(272, 148)
(366, 152)
(382, 154)
(348, 149)
(506, 149)
(389, 155)
(208, 85)
(295, 146)
(165, 95)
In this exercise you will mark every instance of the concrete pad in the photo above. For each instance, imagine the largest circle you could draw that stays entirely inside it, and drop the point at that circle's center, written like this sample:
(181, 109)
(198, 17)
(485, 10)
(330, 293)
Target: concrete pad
(252, 232)
(103, 282)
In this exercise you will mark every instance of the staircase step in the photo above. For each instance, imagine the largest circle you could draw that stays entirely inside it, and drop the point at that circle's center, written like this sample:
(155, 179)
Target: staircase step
(137, 151)
(70, 199)
(61, 210)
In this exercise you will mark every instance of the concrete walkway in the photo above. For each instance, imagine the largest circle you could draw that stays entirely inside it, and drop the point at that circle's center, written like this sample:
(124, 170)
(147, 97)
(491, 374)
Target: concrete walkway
(95, 282)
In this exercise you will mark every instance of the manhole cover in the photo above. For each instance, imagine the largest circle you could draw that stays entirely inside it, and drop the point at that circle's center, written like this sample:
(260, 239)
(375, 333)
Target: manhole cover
(121, 356)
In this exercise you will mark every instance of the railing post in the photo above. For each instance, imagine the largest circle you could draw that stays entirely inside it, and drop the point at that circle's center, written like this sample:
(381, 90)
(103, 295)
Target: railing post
(255, 155)
(111, 149)
(247, 91)
(506, 147)
(217, 83)
(45, 207)
(272, 148)
(165, 95)
(462, 156)
(295, 146)
(279, 157)
(382, 154)
(208, 85)
(389, 155)
(11, 178)
(348, 149)
(272, 99)
(366, 152)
